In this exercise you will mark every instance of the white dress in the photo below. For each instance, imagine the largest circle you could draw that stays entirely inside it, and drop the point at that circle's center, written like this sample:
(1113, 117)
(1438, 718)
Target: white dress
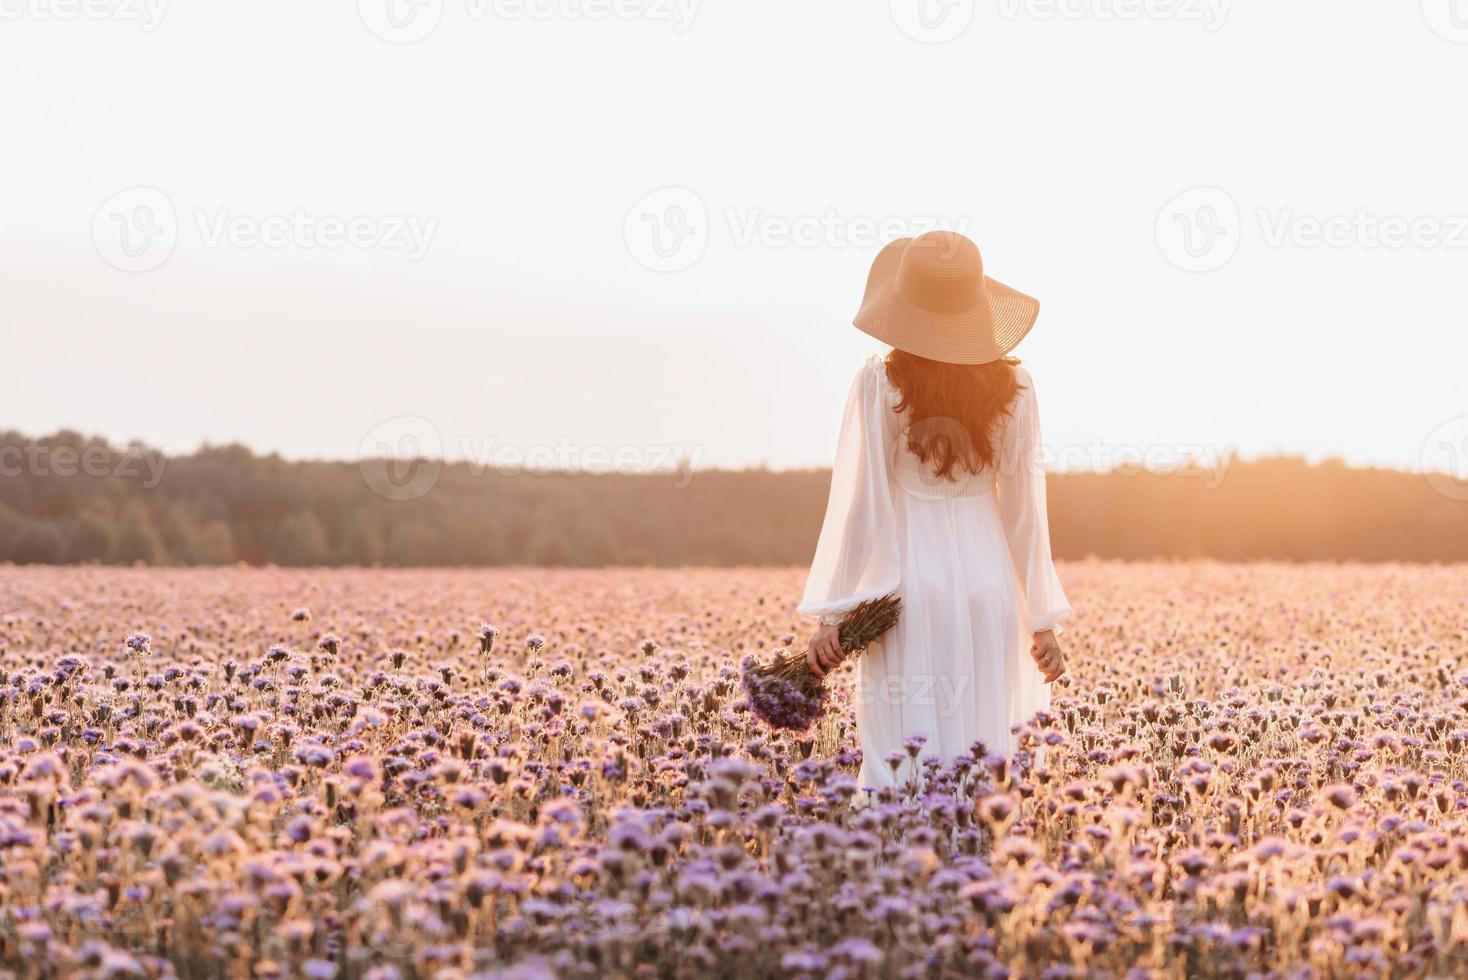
(971, 561)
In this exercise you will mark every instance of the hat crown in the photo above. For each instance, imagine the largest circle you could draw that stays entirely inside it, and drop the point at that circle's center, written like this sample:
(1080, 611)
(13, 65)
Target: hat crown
(941, 271)
(930, 296)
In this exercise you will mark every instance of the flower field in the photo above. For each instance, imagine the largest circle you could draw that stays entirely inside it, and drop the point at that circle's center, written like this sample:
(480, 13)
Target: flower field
(1251, 770)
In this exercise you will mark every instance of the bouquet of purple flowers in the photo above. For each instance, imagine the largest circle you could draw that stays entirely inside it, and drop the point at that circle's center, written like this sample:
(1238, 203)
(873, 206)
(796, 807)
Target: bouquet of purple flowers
(786, 693)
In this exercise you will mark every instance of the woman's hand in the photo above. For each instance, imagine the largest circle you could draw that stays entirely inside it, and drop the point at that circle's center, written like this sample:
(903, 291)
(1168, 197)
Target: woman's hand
(1046, 651)
(824, 653)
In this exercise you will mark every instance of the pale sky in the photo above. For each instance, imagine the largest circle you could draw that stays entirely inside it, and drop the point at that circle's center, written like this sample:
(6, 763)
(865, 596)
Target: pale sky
(459, 229)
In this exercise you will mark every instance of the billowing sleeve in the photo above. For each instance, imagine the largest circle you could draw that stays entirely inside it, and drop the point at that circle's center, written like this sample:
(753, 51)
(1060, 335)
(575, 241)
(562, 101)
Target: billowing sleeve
(857, 556)
(1022, 509)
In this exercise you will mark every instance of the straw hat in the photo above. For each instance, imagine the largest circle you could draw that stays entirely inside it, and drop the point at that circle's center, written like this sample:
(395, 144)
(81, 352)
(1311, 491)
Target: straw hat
(929, 296)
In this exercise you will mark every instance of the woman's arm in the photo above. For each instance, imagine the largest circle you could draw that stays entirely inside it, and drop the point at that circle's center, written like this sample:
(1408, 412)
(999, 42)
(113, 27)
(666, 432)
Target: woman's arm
(856, 558)
(1022, 509)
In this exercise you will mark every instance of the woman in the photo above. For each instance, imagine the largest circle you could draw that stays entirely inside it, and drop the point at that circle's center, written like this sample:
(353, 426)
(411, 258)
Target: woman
(938, 494)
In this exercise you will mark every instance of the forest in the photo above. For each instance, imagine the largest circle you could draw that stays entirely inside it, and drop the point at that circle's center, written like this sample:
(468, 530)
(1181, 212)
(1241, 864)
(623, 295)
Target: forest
(68, 498)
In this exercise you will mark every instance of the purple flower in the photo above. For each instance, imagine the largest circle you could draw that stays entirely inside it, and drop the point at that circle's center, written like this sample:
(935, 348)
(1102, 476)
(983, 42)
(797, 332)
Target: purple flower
(778, 702)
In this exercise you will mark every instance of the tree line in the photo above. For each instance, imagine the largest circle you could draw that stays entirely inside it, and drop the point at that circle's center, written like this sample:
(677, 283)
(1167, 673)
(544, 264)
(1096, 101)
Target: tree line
(68, 498)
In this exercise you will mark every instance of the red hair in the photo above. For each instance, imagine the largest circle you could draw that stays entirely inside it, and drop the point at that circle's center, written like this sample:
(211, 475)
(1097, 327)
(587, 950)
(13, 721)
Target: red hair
(952, 411)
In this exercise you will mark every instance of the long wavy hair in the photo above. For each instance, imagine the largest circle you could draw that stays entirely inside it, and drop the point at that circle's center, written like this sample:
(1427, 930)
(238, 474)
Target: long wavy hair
(952, 412)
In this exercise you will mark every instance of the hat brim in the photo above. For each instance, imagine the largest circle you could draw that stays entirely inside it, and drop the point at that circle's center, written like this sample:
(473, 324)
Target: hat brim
(981, 334)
